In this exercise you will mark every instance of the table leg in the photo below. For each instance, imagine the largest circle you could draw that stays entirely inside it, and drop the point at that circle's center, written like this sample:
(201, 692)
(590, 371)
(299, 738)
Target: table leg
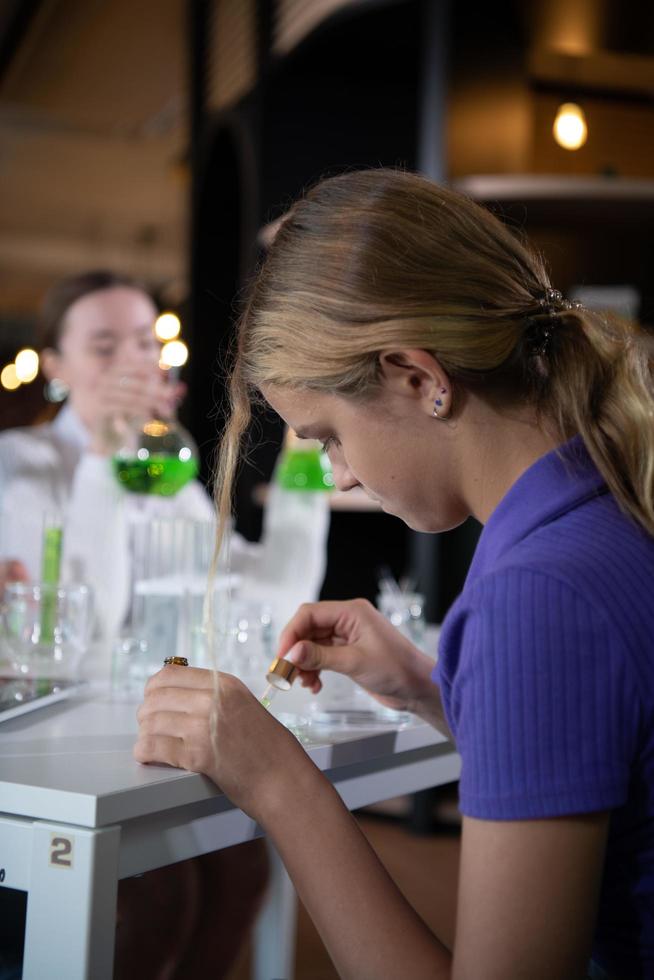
(274, 933)
(71, 903)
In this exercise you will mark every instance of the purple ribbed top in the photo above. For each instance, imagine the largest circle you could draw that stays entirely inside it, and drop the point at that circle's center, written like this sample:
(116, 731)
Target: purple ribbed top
(546, 669)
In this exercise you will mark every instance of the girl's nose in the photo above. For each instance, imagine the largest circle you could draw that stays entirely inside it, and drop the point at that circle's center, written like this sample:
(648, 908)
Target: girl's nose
(343, 479)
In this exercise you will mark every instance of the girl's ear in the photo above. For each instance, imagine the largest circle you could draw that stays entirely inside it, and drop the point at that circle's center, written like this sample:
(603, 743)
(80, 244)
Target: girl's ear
(50, 361)
(419, 375)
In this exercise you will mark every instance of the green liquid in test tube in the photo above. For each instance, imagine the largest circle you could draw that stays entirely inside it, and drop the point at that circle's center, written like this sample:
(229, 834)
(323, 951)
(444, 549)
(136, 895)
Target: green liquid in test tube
(50, 568)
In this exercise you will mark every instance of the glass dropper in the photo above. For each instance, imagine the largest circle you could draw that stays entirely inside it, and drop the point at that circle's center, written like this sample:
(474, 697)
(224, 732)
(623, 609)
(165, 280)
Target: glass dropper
(280, 676)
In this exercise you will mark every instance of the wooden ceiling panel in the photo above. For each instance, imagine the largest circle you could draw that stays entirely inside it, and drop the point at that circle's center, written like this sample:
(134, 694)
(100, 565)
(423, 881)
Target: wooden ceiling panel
(92, 126)
(65, 184)
(98, 65)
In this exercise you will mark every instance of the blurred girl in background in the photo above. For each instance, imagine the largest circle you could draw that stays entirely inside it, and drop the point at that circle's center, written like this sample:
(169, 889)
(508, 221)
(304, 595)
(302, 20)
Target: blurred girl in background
(99, 352)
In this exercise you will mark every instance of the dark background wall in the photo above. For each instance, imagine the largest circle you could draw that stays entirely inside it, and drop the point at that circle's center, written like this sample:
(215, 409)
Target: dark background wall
(352, 94)
(348, 96)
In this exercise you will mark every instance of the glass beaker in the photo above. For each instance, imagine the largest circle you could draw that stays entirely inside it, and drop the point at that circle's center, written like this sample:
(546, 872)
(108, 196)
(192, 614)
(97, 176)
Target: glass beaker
(46, 629)
(405, 610)
(242, 640)
(130, 668)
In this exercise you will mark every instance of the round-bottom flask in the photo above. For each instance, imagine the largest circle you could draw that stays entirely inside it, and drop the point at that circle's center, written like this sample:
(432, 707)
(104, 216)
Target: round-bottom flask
(161, 458)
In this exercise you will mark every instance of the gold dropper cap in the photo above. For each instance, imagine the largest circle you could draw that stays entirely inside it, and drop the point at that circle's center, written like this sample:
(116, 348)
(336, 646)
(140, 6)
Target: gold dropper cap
(281, 674)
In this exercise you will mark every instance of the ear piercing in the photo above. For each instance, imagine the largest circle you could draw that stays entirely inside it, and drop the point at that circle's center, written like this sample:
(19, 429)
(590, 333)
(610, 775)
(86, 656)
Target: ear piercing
(438, 402)
(56, 390)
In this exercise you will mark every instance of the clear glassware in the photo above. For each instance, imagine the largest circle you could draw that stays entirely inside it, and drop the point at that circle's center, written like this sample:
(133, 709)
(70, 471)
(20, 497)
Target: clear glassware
(343, 705)
(242, 640)
(170, 564)
(46, 630)
(405, 610)
(131, 666)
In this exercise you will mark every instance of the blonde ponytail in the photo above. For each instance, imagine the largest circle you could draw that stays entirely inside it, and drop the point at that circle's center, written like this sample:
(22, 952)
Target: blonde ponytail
(601, 385)
(377, 260)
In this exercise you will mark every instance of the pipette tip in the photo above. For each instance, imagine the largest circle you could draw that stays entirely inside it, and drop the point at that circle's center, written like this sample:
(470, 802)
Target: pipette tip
(268, 695)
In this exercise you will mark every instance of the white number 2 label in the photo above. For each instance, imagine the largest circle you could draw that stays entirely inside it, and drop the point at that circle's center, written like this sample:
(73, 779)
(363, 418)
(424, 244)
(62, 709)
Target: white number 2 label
(61, 851)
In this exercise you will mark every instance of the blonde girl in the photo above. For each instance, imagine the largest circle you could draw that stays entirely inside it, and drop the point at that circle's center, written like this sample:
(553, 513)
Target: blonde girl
(415, 335)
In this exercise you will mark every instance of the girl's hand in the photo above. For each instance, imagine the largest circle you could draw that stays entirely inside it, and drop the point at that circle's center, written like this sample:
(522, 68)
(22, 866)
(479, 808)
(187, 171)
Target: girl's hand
(130, 393)
(12, 571)
(254, 755)
(354, 639)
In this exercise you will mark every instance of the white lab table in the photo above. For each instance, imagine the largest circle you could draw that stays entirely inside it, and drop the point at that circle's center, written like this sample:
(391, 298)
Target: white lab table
(78, 814)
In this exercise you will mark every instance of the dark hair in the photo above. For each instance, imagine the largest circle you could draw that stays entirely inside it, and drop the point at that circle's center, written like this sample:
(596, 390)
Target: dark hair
(63, 294)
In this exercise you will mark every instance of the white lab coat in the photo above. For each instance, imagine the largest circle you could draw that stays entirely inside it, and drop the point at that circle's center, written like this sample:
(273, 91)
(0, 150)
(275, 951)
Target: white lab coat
(48, 469)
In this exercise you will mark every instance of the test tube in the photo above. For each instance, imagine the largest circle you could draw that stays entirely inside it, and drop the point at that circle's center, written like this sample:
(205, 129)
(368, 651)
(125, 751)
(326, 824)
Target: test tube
(50, 570)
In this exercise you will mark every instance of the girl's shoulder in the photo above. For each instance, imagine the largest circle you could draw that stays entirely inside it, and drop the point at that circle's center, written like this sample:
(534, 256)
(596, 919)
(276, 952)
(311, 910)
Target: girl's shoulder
(28, 447)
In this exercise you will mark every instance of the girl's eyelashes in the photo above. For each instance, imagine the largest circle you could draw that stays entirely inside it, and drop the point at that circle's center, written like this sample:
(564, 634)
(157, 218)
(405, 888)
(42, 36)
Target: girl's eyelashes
(328, 443)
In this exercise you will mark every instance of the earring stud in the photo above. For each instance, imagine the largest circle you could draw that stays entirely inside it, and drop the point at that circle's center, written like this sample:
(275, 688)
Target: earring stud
(56, 390)
(437, 404)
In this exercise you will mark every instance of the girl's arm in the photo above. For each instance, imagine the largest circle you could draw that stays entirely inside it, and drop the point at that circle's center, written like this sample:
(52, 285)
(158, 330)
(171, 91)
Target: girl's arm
(371, 932)
(528, 889)
(528, 894)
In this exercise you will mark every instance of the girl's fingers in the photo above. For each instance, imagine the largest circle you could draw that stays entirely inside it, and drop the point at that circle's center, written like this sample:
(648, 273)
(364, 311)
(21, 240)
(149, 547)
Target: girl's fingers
(166, 749)
(125, 403)
(174, 724)
(174, 676)
(169, 397)
(312, 657)
(313, 620)
(182, 700)
(308, 678)
(312, 682)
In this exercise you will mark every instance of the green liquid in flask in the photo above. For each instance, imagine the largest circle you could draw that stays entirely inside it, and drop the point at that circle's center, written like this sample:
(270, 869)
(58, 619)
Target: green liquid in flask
(160, 474)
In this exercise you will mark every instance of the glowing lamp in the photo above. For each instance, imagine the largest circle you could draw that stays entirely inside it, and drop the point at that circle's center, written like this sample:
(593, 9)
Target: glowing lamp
(570, 129)
(27, 365)
(8, 377)
(167, 326)
(173, 354)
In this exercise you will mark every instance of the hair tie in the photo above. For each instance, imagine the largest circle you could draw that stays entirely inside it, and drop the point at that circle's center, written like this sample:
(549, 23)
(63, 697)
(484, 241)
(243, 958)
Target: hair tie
(553, 301)
(542, 324)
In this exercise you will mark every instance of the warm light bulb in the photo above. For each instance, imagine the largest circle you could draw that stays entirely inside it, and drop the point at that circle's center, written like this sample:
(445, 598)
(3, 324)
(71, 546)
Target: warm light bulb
(570, 129)
(8, 377)
(27, 365)
(173, 354)
(167, 326)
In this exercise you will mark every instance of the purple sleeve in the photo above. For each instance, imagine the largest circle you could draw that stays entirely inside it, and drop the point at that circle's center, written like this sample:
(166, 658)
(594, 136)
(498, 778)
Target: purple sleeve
(542, 701)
